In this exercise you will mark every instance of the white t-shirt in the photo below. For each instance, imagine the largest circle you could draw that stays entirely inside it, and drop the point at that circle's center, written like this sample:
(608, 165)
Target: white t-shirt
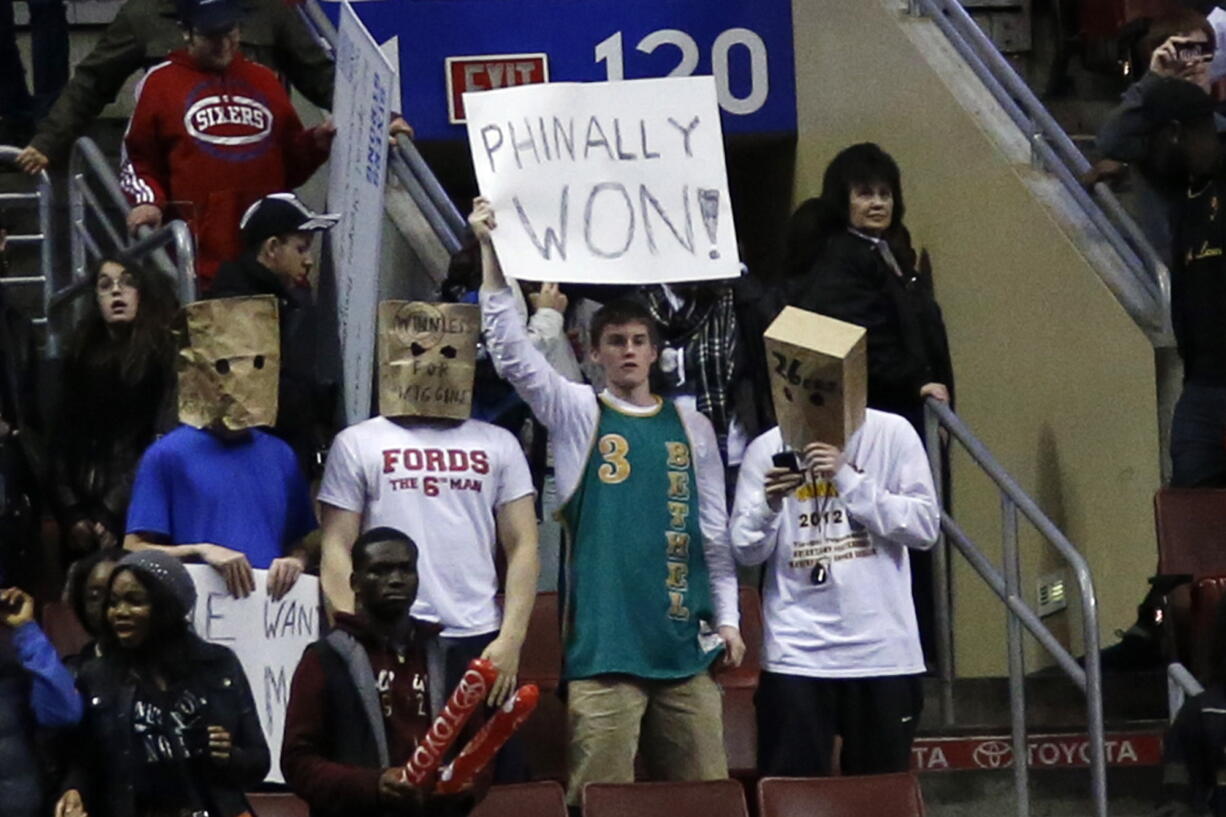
(440, 483)
(837, 590)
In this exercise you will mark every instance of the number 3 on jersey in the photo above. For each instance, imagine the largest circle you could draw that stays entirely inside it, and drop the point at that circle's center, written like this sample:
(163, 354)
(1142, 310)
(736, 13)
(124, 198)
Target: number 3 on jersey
(613, 449)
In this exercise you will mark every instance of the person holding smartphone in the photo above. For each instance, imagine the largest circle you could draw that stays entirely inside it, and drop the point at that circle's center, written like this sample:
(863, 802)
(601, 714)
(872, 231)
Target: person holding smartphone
(842, 652)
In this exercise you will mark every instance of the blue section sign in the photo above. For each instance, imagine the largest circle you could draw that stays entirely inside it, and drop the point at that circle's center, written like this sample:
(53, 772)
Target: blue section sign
(745, 44)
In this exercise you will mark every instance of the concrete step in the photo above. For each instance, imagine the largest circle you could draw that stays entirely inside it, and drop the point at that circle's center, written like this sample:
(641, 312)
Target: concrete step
(1053, 702)
(1131, 792)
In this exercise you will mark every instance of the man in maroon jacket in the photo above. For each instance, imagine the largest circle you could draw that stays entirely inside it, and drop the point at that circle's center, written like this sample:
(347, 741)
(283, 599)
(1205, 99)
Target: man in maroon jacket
(360, 699)
(212, 133)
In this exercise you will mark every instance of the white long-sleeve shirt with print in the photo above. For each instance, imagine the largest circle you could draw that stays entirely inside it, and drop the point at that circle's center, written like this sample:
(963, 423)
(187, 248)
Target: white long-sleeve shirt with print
(837, 586)
(571, 413)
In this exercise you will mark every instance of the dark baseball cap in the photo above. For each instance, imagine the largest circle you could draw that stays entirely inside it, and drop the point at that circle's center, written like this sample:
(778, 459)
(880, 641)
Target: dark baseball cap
(279, 214)
(209, 17)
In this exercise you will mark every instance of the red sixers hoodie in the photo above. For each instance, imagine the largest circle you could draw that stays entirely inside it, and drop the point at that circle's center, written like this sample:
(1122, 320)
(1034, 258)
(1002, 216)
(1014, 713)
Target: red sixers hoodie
(205, 145)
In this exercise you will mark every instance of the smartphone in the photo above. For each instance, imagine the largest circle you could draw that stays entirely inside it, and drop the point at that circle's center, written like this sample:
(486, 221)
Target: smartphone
(787, 459)
(1189, 52)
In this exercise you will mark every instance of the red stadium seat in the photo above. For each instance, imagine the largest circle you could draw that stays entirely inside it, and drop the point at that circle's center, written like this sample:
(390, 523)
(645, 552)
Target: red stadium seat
(540, 660)
(1191, 528)
(265, 804)
(1207, 594)
(523, 800)
(741, 733)
(714, 798)
(62, 628)
(881, 795)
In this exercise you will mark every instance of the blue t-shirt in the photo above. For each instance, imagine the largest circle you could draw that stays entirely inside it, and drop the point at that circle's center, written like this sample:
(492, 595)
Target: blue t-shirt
(245, 494)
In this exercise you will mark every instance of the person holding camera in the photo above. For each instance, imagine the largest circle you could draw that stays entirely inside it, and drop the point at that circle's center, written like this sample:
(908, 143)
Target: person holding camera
(170, 726)
(842, 652)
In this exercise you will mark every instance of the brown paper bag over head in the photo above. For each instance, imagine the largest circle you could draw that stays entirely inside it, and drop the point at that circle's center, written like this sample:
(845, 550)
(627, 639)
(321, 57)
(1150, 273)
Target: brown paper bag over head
(229, 363)
(818, 376)
(427, 356)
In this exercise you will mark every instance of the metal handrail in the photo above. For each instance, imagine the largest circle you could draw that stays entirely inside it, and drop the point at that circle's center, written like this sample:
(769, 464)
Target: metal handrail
(406, 162)
(1145, 290)
(44, 198)
(1020, 615)
(90, 176)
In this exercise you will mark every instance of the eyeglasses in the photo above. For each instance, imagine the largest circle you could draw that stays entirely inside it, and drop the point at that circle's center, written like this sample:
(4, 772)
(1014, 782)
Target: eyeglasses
(106, 283)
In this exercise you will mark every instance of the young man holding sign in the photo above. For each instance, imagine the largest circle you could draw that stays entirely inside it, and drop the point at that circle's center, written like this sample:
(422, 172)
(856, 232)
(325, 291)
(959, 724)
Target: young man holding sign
(651, 586)
(833, 519)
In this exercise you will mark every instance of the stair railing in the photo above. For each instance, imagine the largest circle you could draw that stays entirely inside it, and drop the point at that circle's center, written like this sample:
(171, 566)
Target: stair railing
(406, 161)
(43, 199)
(98, 213)
(1021, 616)
(1143, 286)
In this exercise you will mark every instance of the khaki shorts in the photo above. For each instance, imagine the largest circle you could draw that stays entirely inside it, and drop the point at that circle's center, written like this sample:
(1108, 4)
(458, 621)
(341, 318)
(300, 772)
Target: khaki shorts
(680, 723)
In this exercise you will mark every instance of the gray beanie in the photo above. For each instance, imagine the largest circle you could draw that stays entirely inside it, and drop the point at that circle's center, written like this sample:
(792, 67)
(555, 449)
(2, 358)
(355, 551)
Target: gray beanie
(160, 567)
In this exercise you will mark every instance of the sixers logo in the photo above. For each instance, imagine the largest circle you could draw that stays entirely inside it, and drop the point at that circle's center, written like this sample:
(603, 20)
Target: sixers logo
(228, 121)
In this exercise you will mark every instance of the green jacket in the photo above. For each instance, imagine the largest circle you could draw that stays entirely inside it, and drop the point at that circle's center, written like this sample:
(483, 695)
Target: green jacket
(145, 31)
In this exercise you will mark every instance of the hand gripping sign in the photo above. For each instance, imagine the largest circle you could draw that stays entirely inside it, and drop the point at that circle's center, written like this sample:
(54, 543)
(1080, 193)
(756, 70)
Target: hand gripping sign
(486, 743)
(468, 695)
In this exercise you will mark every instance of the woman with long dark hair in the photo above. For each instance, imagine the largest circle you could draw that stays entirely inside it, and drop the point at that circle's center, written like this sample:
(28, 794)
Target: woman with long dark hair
(170, 726)
(118, 378)
(849, 256)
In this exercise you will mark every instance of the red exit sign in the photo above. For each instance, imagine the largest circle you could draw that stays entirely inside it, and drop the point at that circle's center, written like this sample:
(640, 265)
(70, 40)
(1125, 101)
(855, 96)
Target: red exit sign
(491, 71)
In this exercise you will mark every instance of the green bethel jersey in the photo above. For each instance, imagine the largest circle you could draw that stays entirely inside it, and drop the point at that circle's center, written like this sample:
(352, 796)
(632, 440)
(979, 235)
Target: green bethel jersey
(637, 597)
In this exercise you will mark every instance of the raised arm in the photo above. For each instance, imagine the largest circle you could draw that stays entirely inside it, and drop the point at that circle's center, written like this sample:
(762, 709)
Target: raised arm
(53, 696)
(554, 400)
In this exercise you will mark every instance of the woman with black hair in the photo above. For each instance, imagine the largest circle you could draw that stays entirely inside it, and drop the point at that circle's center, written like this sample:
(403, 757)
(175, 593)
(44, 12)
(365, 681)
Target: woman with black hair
(118, 378)
(850, 257)
(170, 727)
(85, 591)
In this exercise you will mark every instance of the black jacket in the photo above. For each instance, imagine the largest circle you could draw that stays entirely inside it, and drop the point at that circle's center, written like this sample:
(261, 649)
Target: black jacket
(104, 766)
(907, 345)
(105, 424)
(305, 401)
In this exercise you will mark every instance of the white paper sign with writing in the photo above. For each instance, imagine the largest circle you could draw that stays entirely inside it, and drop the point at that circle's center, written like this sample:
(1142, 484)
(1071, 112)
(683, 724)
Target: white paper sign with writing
(362, 109)
(610, 182)
(267, 636)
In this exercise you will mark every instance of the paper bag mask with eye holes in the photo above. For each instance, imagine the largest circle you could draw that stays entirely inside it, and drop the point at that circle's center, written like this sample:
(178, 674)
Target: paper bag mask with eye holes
(427, 355)
(229, 363)
(819, 377)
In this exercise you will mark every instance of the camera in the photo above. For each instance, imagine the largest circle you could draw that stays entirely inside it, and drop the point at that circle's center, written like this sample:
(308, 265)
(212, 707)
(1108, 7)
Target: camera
(1190, 53)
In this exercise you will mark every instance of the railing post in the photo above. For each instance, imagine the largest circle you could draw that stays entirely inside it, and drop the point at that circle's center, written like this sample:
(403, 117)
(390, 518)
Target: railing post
(1017, 658)
(940, 573)
(47, 260)
(1094, 695)
(1036, 139)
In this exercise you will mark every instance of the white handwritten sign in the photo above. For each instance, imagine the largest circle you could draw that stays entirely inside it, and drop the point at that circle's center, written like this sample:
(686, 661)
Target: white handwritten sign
(267, 636)
(361, 108)
(611, 182)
